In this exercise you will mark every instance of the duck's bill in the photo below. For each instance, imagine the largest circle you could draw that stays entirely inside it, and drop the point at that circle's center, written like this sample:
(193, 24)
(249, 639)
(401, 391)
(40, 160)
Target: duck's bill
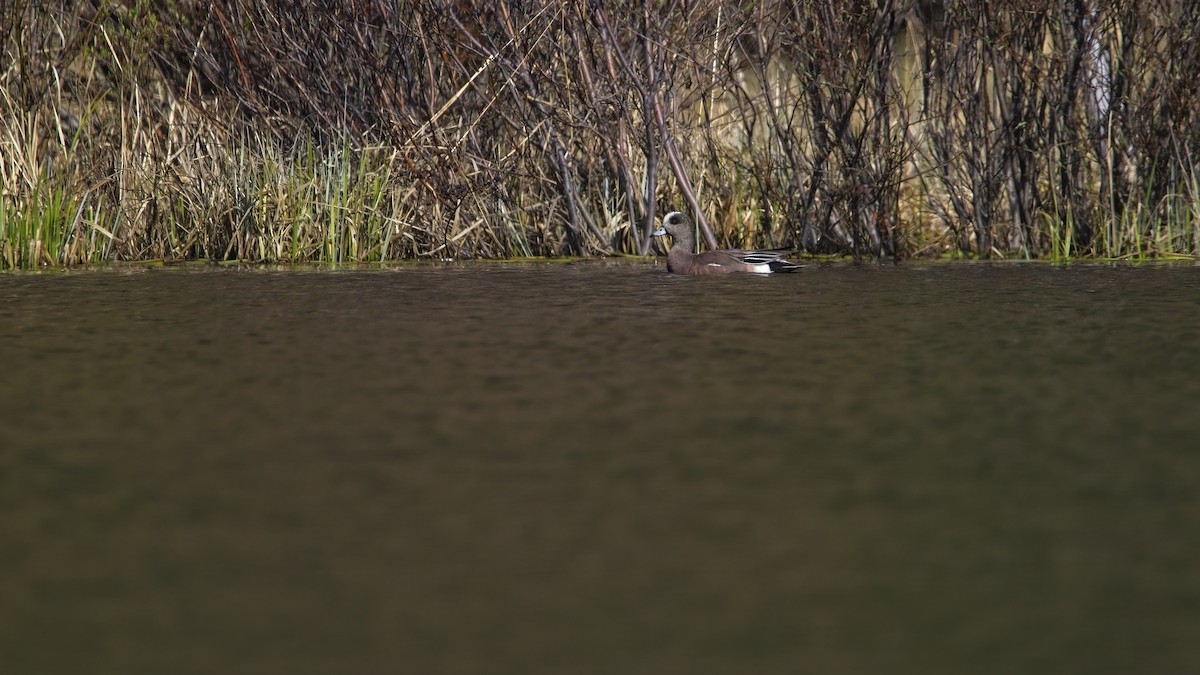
(658, 233)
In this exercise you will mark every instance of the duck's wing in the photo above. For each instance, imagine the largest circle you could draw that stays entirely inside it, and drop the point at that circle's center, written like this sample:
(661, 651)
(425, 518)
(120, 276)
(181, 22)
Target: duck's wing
(747, 261)
(772, 259)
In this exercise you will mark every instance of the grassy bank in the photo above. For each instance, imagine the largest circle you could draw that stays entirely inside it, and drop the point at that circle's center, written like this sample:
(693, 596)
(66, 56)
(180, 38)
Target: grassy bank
(366, 131)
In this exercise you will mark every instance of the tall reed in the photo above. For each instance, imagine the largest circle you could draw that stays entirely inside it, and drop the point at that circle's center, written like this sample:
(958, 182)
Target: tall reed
(366, 131)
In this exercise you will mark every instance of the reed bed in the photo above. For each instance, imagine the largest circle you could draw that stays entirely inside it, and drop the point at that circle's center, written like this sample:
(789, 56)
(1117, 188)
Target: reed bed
(363, 130)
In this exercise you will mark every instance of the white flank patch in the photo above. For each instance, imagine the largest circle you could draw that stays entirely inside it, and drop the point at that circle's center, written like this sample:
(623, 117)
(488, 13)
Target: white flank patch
(762, 269)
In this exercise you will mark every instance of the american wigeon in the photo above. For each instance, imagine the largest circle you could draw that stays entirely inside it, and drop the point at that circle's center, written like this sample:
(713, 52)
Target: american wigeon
(682, 260)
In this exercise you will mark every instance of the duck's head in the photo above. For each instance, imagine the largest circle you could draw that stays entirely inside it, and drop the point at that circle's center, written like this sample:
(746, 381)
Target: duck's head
(677, 225)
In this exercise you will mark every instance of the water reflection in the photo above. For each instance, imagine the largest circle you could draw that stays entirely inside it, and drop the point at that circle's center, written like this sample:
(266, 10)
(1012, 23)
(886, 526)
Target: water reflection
(601, 468)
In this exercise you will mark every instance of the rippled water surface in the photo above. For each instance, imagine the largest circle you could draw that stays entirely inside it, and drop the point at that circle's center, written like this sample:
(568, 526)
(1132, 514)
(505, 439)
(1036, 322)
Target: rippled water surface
(598, 468)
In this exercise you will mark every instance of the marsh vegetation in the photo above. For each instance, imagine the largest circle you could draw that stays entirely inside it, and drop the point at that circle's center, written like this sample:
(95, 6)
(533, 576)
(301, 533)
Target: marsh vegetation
(362, 130)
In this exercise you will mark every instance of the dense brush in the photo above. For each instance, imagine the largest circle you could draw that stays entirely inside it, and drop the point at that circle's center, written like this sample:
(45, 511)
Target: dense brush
(242, 129)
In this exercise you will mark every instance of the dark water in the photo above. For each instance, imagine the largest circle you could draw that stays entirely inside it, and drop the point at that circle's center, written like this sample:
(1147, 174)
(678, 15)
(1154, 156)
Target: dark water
(601, 469)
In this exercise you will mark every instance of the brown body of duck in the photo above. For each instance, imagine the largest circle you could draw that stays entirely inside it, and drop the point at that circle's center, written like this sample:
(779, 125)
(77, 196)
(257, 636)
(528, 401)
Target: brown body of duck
(682, 259)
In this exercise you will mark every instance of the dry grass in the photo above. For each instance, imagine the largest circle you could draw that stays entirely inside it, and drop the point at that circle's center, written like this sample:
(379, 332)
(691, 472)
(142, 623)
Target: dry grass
(364, 131)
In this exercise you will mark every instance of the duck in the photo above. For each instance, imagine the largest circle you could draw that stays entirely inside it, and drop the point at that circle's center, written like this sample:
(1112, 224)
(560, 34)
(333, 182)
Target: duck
(681, 259)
